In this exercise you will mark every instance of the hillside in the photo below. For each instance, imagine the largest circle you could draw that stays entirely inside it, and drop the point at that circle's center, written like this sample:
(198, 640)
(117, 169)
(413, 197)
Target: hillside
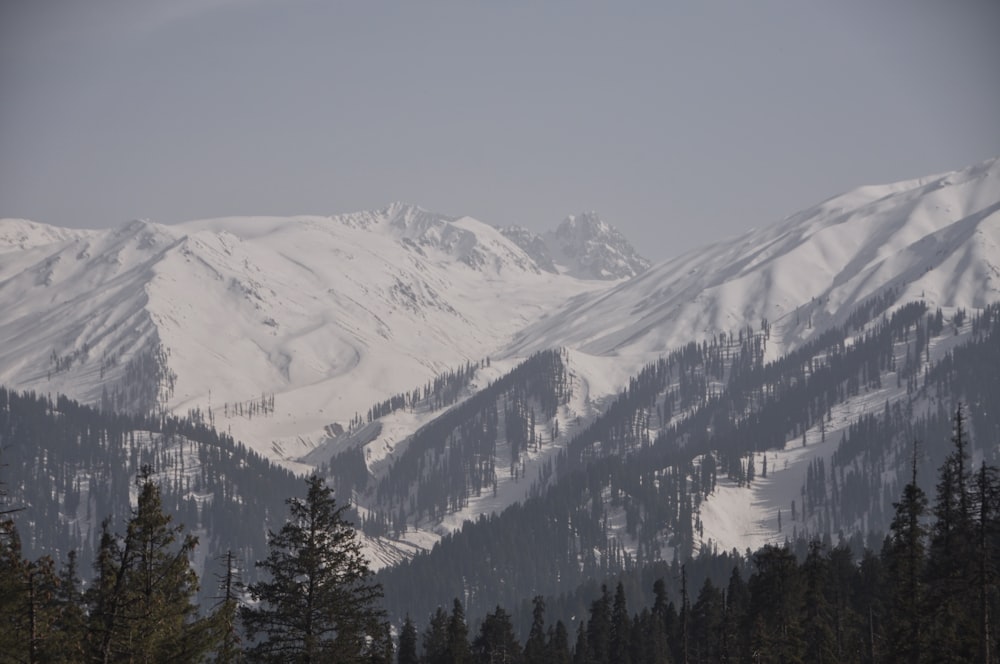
(317, 317)
(935, 239)
(466, 397)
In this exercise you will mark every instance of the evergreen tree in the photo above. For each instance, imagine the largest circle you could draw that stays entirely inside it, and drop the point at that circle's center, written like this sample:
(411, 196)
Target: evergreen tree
(843, 581)
(621, 628)
(407, 651)
(657, 630)
(581, 651)
(820, 640)
(776, 600)
(558, 645)
(225, 614)
(496, 643)
(707, 624)
(69, 635)
(599, 628)
(320, 603)
(13, 635)
(28, 609)
(436, 638)
(458, 635)
(951, 560)
(737, 600)
(536, 648)
(872, 607)
(140, 607)
(987, 532)
(905, 559)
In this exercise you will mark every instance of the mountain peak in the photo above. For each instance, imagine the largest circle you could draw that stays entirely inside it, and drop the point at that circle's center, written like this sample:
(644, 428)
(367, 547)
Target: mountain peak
(593, 248)
(588, 222)
(584, 246)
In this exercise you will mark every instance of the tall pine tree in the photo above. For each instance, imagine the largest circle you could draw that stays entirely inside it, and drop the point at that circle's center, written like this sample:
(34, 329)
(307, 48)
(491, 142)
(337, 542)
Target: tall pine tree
(320, 603)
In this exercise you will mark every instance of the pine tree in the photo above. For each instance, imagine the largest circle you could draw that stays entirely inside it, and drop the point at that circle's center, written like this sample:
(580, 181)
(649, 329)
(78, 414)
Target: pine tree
(737, 599)
(871, 606)
(14, 638)
(707, 624)
(535, 648)
(28, 607)
(558, 644)
(581, 651)
(496, 643)
(905, 559)
(140, 607)
(458, 635)
(69, 637)
(599, 628)
(842, 584)
(820, 640)
(436, 638)
(987, 505)
(225, 614)
(407, 651)
(951, 559)
(319, 603)
(621, 628)
(659, 646)
(776, 599)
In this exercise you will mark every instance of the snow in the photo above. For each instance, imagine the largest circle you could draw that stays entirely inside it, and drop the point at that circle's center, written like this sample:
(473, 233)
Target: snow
(328, 314)
(333, 314)
(935, 238)
(741, 517)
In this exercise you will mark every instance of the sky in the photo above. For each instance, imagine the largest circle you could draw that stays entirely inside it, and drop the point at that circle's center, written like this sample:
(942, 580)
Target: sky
(679, 122)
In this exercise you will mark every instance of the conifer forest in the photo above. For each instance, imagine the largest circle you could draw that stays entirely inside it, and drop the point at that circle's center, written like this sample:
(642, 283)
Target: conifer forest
(926, 593)
(149, 538)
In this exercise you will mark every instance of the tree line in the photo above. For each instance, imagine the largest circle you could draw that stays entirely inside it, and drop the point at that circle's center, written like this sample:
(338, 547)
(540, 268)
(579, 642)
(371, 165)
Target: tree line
(314, 602)
(929, 595)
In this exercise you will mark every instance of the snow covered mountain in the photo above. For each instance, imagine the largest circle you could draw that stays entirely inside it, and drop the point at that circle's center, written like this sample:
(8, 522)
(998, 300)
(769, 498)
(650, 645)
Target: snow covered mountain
(935, 238)
(584, 246)
(297, 322)
(276, 328)
(280, 330)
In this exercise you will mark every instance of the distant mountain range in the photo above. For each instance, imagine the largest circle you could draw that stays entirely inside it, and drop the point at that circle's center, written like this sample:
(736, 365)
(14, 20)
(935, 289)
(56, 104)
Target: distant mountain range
(327, 314)
(440, 370)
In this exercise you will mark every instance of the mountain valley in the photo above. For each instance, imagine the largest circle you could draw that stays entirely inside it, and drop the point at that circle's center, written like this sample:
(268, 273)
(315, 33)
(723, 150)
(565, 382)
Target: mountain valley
(470, 388)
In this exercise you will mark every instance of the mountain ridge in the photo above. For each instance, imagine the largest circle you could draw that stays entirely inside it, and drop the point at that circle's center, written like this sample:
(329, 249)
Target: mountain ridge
(631, 443)
(803, 273)
(331, 313)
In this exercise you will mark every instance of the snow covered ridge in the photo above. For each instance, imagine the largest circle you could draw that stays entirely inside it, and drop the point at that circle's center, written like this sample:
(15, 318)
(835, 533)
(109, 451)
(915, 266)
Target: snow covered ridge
(583, 245)
(320, 317)
(936, 239)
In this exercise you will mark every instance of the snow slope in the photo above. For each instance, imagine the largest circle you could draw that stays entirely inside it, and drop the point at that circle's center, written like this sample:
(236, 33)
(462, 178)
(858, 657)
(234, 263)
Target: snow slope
(328, 314)
(935, 238)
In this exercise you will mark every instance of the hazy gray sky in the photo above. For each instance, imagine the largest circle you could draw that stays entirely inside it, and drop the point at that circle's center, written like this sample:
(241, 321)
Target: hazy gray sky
(680, 122)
